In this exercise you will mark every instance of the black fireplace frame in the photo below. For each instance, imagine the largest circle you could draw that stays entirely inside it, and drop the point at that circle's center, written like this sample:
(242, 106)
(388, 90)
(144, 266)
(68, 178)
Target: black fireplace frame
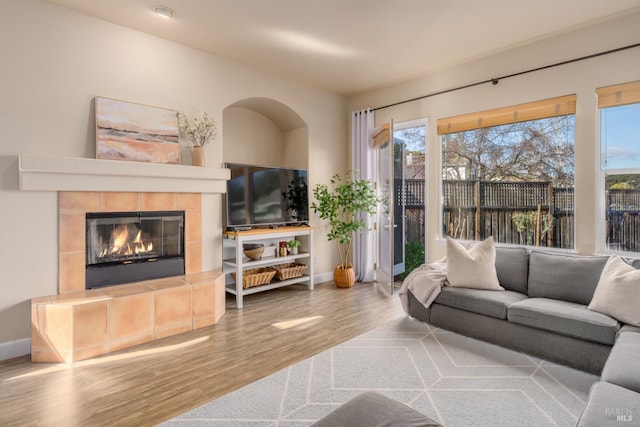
(116, 273)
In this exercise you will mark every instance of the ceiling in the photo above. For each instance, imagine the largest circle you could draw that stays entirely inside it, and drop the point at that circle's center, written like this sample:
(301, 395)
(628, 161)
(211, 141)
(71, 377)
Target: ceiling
(350, 46)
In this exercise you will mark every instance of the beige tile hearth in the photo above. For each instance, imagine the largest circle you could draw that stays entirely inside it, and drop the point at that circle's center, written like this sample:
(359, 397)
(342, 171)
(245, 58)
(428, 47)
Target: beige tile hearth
(68, 330)
(84, 324)
(130, 320)
(173, 313)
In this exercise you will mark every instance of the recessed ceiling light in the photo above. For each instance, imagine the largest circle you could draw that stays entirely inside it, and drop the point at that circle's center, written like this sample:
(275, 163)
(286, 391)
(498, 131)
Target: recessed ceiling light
(164, 11)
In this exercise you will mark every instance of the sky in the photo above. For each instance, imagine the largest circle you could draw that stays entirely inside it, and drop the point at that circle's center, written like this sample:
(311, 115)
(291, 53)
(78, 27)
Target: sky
(414, 140)
(620, 137)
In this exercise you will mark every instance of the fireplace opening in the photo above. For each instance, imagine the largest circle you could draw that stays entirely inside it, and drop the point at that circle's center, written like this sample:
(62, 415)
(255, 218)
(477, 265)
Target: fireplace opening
(123, 247)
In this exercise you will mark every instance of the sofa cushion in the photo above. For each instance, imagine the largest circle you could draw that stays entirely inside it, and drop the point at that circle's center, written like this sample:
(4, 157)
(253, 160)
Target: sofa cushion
(623, 365)
(371, 409)
(564, 276)
(629, 328)
(610, 405)
(565, 318)
(618, 292)
(474, 268)
(488, 303)
(635, 262)
(512, 267)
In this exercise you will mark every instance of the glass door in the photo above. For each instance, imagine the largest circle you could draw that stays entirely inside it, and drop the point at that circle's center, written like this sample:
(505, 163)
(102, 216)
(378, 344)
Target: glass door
(409, 140)
(385, 192)
(399, 161)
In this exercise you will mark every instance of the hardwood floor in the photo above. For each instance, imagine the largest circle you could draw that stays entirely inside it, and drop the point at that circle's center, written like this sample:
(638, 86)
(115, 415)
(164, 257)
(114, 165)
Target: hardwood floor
(153, 382)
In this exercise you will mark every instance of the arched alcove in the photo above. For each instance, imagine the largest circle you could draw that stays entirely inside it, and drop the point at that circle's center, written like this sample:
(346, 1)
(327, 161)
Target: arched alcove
(265, 132)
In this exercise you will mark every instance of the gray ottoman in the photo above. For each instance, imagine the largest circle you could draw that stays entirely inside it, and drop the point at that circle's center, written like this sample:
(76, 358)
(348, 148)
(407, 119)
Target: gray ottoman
(372, 409)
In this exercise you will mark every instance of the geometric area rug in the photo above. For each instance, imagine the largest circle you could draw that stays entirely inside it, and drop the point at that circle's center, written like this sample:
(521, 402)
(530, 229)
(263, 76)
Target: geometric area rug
(455, 380)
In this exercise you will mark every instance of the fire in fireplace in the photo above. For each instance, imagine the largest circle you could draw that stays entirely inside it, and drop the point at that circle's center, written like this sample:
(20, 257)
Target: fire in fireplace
(124, 247)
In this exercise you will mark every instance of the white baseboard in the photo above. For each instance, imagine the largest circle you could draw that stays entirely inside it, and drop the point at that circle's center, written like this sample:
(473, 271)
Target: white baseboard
(11, 349)
(324, 277)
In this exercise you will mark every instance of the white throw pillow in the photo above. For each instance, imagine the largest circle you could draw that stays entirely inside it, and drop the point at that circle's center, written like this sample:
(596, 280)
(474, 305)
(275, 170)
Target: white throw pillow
(474, 268)
(618, 292)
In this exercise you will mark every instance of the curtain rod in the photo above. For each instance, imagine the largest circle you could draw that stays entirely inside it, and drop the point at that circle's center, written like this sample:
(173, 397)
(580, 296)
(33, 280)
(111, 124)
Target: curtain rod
(495, 80)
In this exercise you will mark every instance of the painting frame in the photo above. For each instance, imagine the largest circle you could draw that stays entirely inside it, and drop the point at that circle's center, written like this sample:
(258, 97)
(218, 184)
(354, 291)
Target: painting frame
(136, 132)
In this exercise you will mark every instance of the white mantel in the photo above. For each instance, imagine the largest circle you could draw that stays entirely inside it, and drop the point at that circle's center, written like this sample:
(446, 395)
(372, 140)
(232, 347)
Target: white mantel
(39, 173)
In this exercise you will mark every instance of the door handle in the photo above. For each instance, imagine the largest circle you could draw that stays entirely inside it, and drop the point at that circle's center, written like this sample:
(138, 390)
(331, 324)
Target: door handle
(386, 227)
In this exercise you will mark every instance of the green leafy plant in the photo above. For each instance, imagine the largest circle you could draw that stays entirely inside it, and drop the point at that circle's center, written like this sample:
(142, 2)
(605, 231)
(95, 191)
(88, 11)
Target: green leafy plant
(414, 257)
(293, 244)
(526, 223)
(345, 204)
(296, 197)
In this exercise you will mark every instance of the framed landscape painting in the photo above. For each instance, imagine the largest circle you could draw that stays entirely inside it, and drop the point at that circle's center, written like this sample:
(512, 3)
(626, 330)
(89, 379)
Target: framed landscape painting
(135, 132)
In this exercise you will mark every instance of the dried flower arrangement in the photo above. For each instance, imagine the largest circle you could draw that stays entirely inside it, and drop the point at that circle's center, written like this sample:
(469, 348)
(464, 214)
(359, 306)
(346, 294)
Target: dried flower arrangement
(200, 131)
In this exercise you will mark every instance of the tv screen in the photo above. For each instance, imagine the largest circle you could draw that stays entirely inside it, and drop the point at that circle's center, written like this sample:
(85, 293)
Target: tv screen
(266, 196)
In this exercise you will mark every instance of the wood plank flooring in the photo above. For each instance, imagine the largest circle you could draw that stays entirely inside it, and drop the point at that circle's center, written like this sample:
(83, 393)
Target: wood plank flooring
(150, 383)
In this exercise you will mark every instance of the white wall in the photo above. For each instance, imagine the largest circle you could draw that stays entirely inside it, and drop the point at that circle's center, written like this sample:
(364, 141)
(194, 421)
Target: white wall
(54, 61)
(581, 78)
(251, 138)
(296, 149)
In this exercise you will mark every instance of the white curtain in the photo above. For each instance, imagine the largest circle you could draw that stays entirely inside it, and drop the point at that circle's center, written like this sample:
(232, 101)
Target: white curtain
(364, 249)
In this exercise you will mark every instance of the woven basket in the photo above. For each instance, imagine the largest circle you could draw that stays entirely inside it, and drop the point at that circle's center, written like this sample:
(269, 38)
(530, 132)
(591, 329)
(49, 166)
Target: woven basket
(289, 271)
(255, 277)
(344, 277)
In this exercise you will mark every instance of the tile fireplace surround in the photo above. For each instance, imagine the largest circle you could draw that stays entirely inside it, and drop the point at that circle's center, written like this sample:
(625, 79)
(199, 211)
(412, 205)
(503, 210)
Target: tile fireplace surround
(78, 324)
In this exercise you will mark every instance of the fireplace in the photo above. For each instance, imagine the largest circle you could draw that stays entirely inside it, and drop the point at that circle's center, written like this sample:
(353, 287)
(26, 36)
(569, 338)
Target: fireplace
(123, 247)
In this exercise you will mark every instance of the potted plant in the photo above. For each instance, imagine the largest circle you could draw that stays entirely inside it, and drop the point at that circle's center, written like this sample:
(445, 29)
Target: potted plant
(200, 132)
(345, 204)
(293, 246)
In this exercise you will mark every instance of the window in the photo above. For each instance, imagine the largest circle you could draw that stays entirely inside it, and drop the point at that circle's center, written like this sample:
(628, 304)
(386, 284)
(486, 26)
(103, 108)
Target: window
(620, 165)
(509, 173)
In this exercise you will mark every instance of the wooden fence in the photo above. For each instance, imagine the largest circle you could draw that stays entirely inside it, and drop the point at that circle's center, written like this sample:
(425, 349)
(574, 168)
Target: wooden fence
(623, 220)
(475, 210)
(412, 196)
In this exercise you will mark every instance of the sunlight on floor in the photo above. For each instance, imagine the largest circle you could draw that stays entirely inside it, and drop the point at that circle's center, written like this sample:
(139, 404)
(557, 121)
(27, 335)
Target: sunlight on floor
(112, 358)
(302, 322)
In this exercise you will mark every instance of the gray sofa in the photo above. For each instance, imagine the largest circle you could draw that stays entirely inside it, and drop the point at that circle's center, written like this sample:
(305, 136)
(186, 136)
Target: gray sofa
(543, 311)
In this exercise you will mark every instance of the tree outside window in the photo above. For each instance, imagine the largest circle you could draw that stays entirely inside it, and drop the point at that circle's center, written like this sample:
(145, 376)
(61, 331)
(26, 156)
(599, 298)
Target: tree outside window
(513, 181)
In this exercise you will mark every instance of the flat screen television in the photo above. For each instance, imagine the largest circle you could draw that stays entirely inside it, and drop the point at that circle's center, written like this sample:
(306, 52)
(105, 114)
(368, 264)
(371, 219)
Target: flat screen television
(266, 196)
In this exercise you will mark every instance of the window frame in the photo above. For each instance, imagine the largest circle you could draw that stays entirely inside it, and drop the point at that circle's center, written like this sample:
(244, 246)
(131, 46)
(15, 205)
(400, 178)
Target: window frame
(608, 97)
(535, 110)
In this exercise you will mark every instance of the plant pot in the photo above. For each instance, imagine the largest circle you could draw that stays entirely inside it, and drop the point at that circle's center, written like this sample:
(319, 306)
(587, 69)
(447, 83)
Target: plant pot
(344, 277)
(293, 251)
(197, 156)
